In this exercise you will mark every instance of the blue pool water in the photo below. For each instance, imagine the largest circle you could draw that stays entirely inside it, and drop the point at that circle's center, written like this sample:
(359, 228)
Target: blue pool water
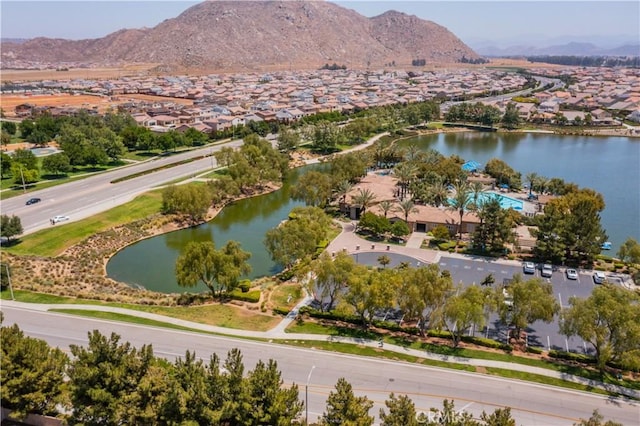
(505, 202)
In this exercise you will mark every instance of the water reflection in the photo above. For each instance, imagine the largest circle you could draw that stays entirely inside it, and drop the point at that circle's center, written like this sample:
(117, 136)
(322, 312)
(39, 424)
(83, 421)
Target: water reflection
(150, 263)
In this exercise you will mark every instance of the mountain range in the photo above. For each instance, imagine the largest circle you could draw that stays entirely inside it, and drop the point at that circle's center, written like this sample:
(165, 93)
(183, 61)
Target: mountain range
(232, 35)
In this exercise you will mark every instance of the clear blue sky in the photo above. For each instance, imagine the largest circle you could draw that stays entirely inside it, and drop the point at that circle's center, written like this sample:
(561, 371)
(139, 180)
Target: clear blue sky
(470, 20)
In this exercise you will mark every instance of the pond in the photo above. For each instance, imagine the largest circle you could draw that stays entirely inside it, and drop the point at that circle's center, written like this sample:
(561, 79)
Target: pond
(150, 263)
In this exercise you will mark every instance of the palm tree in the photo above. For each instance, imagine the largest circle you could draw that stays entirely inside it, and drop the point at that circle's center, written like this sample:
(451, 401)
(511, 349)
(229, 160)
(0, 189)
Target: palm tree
(459, 202)
(342, 189)
(387, 207)
(407, 207)
(532, 178)
(363, 198)
(439, 193)
(405, 172)
(476, 189)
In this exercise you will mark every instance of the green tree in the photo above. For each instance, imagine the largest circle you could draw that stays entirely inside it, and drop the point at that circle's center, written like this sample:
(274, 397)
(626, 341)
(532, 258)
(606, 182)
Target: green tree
(406, 207)
(629, 251)
(5, 163)
(9, 126)
(288, 140)
(596, 419)
(399, 229)
(23, 176)
(609, 319)
(26, 128)
(387, 207)
(191, 200)
(346, 409)
(459, 203)
(314, 188)
(32, 374)
(495, 228)
(511, 117)
(363, 198)
(299, 237)
(423, 294)
(271, 402)
(189, 392)
(332, 276)
(26, 157)
(56, 164)
(104, 378)
(448, 416)
(219, 270)
(462, 310)
(500, 417)
(503, 173)
(373, 223)
(5, 138)
(10, 226)
(531, 301)
(402, 411)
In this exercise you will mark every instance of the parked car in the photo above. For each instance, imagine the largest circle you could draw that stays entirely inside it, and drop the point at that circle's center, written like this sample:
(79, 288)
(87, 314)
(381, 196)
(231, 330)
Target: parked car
(599, 277)
(58, 218)
(529, 268)
(547, 270)
(572, 274)
(33, 201)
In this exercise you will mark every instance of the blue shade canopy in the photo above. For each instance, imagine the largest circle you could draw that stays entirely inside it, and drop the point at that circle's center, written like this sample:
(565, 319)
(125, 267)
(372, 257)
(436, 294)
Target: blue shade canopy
(471, 166)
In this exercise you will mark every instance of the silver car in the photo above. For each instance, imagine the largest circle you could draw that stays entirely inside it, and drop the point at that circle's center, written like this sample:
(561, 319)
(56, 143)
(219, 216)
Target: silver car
(547, 270)
(529, 268)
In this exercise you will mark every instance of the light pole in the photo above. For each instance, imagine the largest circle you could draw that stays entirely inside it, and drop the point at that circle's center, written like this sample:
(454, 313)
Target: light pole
(306, 395)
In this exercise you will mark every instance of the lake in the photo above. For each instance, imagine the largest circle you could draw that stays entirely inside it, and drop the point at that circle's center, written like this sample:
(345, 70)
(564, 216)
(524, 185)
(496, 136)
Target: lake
(610, 165)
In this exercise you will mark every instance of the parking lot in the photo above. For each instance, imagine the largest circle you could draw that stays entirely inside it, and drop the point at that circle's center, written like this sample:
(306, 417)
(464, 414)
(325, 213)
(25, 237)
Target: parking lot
(471, 271)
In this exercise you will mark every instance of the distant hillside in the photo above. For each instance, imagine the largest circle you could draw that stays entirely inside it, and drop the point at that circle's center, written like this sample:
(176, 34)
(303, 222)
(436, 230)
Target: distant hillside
(252, 34)
(571, 48)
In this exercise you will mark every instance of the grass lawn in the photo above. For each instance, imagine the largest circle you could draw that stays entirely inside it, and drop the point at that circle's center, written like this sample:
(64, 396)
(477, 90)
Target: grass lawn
(228, 316)
(124, 318)
(281, 293)
(52, 241)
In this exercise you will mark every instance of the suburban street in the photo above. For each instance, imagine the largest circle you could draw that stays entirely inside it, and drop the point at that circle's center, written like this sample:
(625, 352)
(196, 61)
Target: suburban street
(531, 404)
(81, 198)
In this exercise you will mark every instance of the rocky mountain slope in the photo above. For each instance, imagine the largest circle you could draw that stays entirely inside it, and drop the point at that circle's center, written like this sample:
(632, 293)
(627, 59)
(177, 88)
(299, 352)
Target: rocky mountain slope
(252, 34)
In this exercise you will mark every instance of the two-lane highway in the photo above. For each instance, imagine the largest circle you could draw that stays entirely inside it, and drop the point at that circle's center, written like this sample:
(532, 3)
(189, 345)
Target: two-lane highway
(81, 198)
(531, 404)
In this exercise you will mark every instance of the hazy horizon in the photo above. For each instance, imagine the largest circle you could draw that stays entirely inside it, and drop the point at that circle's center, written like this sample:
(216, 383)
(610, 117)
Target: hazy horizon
(475, 22)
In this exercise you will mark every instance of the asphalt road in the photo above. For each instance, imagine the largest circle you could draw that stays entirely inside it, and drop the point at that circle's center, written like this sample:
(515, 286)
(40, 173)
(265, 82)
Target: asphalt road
(531, 404)
(81, 198)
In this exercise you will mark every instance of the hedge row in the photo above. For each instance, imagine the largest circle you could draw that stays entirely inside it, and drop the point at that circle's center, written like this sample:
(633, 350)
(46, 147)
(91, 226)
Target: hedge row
(392, 326)
(251, 297)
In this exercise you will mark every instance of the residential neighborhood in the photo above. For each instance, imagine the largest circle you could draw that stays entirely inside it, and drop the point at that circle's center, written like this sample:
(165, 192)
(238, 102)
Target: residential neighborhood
(218, 102)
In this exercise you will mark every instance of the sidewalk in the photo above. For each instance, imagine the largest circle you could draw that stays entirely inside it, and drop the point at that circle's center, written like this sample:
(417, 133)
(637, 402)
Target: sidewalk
(279, 333)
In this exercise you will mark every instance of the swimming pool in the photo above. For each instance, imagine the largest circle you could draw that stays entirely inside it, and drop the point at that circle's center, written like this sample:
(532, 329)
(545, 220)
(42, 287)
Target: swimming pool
(505, 202)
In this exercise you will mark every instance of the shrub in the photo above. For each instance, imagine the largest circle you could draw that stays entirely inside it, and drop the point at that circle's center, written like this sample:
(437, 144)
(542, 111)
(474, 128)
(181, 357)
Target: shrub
(570, 356)
(534, 350)
(244, 285)
(281, 311)
(251, 297)
(286, 275)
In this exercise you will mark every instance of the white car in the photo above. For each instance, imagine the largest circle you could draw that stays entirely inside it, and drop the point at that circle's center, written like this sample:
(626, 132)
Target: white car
(599, 277)
(572, 274)
(529, 268)
(547, 270)
(58, 218)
